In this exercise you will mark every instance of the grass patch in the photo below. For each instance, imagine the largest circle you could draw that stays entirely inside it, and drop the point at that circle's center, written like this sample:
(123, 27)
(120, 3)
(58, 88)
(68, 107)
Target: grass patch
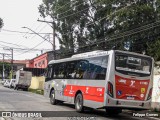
(37, 91)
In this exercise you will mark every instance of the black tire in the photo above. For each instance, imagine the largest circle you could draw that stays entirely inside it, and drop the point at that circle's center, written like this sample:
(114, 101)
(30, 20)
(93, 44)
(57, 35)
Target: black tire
(53, 101)
(25, 89)
(113, 111)
(17, 87)
(60, 102)
(79, 103)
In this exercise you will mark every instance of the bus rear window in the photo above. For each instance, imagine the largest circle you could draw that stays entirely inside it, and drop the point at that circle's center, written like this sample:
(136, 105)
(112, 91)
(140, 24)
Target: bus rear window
(133, 64)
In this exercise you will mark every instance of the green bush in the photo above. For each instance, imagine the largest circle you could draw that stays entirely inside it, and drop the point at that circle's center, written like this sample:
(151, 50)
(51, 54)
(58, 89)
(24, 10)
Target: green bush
(37, 91)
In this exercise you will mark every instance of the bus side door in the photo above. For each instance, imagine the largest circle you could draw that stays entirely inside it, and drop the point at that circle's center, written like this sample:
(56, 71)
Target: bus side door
(59, 75)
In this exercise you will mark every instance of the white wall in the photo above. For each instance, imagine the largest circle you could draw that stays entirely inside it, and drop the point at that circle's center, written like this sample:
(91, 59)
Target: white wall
(156, 90)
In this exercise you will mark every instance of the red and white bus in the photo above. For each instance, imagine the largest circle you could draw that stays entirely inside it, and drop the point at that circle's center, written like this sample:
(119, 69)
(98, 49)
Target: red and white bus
(113, 80)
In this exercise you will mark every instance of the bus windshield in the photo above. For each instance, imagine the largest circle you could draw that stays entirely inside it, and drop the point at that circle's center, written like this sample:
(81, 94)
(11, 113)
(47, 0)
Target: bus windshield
(127, 64)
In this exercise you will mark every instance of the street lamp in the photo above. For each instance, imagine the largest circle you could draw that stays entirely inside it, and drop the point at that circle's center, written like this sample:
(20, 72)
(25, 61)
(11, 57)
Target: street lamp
(53, 44)
(40, 36)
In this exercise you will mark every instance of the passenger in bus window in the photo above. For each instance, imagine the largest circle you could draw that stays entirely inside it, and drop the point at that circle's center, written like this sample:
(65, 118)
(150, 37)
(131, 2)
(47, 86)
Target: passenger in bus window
(79, 73)
(56, 71)
(73, 74)
(81, 66)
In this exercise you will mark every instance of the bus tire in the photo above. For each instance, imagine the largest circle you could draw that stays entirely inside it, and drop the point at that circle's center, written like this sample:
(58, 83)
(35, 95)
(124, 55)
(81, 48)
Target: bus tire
(25, 89)
(53, 101)
(79, 103)
(60, 102)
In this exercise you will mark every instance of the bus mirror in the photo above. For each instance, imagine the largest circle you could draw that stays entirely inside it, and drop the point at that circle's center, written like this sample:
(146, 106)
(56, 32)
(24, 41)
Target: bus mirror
(47, 79)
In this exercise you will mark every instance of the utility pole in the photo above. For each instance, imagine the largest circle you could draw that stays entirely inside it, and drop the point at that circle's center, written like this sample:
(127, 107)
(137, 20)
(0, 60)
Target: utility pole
(3, 68)
(12, 62)
(3, 75)
(53, 27)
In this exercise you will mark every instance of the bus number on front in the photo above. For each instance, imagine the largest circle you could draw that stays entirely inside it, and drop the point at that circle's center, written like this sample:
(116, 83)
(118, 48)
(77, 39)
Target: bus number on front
(99, 89)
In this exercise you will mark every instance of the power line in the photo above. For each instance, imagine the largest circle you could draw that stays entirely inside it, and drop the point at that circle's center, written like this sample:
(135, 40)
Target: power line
(77, 12)
(17, 49)
(121, 35)
(128, 33)
(35, 29)
(109, 15)
(73, 13)
(21, 32)
(88, 24)
(39, 31)
(29, 49)
(100, 18)
(12, 44)
(70, 9)
(25, 48)
(32, 48)
(9, 34)
(66, 4)
(31, 27)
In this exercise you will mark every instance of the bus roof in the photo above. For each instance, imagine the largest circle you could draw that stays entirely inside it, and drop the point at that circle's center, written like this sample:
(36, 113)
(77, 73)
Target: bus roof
(93, 54)
(82, 55)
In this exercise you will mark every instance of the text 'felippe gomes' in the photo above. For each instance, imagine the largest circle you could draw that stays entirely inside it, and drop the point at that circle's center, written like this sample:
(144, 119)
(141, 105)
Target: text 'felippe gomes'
(145, 114)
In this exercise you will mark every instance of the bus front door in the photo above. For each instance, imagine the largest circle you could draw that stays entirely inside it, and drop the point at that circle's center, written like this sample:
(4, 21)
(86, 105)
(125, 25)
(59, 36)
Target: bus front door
(60, 86)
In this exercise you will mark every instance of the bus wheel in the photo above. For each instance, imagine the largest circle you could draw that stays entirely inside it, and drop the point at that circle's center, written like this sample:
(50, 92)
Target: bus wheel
(79, 103)
(53, 101)
(113, 111)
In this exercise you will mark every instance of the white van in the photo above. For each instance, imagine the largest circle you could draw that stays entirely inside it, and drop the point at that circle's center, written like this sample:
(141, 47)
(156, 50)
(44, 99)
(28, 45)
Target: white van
(23, 80)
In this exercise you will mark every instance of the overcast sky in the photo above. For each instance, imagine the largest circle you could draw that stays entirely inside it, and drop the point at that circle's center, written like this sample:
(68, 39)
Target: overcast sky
(17, 14)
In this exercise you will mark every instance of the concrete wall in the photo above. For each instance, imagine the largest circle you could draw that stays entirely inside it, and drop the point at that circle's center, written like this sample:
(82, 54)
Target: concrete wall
(156, 92)
(37, 83)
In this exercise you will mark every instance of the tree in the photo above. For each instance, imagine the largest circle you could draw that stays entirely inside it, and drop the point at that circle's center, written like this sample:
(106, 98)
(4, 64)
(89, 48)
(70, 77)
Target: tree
(7, 68)
(1, 23)
(104, 24)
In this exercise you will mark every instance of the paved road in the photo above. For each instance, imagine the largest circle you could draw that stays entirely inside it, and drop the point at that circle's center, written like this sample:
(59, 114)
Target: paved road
(12, 100)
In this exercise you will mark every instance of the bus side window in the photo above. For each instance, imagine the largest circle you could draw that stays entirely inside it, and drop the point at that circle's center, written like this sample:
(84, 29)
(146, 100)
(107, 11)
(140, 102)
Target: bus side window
(104, 64)
(61, 70)
(81, 68)
(97, 68)
(70, 72)
(55, 71)
(91, 73)
(95, 72)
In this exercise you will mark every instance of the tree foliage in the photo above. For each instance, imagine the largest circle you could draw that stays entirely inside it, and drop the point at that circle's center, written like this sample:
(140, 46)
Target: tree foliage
(1, 23)
(105, 24)
(7, 67)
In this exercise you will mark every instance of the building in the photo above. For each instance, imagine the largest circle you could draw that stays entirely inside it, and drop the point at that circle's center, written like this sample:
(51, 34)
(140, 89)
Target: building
(17, 64)
(40, 61)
